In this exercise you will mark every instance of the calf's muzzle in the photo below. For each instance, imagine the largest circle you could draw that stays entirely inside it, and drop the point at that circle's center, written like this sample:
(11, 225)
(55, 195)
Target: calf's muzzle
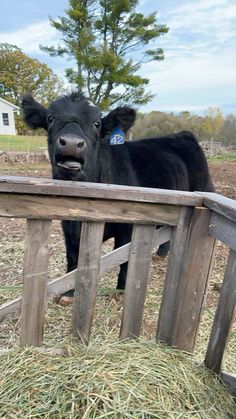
(71, 152)
(71, 144)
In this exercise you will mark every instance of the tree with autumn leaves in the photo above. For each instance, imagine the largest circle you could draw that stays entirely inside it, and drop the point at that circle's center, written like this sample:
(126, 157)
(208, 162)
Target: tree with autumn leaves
(20, 73)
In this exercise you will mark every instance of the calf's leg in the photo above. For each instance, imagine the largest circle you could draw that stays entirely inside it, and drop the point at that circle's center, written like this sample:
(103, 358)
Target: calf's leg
(71, 230)
(122, 236)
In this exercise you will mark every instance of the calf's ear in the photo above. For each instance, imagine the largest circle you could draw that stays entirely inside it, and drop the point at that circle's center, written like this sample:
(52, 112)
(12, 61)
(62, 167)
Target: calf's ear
(122, 117)
(35, 115)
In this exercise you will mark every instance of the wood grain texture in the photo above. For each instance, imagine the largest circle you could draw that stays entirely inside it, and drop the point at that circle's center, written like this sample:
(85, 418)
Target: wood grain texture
(223, 229)
(66, 208)
(196, 269)
(187, 274)
(35, 282)
(173, 273)
(220, 204)
(136, 281)
(87, 279)
(223, 317)
(38, 186)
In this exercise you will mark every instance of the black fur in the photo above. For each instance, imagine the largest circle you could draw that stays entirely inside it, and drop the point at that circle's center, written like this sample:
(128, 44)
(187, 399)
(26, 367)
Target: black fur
(76, 131)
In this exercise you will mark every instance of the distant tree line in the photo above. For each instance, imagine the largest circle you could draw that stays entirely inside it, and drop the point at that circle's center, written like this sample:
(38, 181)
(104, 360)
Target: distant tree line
(212, 126)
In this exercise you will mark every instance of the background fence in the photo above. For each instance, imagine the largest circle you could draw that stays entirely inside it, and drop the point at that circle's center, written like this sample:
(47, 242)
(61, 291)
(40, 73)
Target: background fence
(14, 156)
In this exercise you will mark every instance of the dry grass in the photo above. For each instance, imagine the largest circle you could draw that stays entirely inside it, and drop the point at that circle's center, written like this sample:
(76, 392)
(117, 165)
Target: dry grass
(118, 380)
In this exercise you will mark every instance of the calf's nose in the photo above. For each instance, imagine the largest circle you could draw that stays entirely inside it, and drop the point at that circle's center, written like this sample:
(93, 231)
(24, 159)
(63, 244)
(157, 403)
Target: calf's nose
(71, 142)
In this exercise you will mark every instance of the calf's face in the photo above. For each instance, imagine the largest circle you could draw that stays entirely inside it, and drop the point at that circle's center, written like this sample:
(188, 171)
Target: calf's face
(73, 127)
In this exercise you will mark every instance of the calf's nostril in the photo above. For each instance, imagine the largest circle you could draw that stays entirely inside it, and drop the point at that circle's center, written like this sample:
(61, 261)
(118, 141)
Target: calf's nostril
(80, 144)
(62, 141)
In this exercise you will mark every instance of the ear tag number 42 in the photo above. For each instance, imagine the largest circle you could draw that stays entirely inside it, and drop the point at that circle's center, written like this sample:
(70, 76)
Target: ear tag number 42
(117, 137)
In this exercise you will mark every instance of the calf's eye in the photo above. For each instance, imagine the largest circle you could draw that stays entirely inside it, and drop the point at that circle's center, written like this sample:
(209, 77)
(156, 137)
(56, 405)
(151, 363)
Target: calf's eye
(97, 124)
(50, 119)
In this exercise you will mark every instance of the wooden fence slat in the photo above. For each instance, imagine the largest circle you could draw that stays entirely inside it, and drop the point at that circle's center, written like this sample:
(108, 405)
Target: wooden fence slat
(177, 248)
(220, 204)
(35, 282)
(196, 269)
(136, 281)
(67, 281)
(87, 279)
(26, 185)
(121, 255)
(223, 229)
(223, 317)
(190, 281)
(10, 310)
(97, 210)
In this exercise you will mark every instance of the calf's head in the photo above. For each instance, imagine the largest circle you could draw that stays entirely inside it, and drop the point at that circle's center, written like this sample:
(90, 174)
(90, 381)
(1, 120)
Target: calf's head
(75, 128)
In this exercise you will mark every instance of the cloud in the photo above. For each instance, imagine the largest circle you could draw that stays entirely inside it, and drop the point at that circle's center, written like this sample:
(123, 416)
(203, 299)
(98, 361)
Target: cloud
(200, 59)
(29, 37)
(208, 19)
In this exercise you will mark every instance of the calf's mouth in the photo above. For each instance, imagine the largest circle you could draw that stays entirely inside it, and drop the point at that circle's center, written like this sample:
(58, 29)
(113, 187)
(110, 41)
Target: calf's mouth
(70, 163)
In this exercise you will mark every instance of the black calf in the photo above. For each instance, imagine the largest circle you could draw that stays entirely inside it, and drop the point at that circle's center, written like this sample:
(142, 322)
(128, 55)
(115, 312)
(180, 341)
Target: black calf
(83, 146)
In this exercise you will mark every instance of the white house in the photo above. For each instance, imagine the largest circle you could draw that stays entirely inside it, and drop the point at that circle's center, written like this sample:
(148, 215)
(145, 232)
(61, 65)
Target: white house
(7, 121)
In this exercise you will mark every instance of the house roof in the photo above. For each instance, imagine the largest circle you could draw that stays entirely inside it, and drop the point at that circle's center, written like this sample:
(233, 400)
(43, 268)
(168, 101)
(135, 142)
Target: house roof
(9, 103)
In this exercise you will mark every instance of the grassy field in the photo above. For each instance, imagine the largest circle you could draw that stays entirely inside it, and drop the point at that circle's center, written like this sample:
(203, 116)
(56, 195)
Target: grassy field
(22, 143)
(29, 143)
(224, 157)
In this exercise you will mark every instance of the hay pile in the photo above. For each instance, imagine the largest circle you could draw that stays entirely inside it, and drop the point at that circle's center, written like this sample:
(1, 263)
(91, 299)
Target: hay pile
(134, 379)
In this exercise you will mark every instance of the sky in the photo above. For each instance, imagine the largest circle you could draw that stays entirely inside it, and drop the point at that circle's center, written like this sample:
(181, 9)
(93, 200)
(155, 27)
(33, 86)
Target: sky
(199, 70)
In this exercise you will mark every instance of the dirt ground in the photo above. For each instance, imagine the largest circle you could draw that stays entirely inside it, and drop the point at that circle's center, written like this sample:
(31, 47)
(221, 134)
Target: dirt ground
(224, 177)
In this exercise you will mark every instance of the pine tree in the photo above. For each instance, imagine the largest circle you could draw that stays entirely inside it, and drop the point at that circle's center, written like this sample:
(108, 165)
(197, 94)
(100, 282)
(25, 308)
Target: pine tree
(106, 39)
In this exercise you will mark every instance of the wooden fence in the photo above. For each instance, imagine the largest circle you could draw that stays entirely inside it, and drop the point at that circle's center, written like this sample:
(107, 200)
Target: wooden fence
(193, 221)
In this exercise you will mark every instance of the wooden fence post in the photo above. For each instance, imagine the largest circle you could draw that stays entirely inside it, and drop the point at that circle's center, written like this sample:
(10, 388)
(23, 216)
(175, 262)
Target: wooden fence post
(35, 282)
(223, 317)
(87, 278)
(173, 273)
(189, 274)
(136, 282)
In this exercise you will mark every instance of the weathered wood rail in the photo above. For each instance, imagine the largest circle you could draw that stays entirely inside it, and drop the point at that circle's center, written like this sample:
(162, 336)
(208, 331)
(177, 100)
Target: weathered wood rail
(192, 221)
